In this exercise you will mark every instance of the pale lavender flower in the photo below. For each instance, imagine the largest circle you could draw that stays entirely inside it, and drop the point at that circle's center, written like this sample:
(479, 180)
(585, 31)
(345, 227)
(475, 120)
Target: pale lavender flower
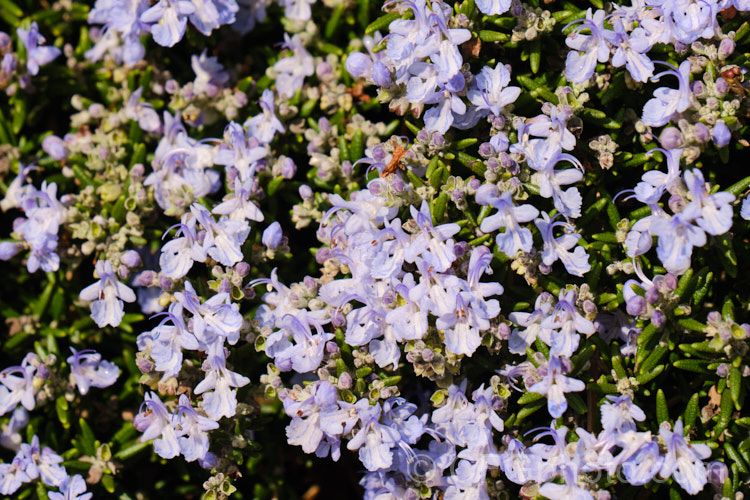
(587, 49)
(168, 20)
(18, 385)
(177, 256)
(210, 14)
(210, 75)
(272, 235)
(554, 385)
(10, 437)
(521, 338)
(297, 10)
(666, 102)
(493, 7)
(745, 210)
(629, 52)
(576, 262)
(214, 320)
(306, 353)
(643, 465)
(43, 463)
(684, 461)
(192, 430)
(122, 30)
(721, 134)
(89, 370)
(570, 490)
(492, 93)
(142, 112)
(55, 147)
(715, 209)
(72, 488)
(374, 441)
(568, 324)
(266, 125)
(35, 55)
(677, 237)
(292, 70)
(221, 401)
(509, 216)
(13, 475)
(433, 243)
(107, 296)
(168, 341)
(543, 155)
(155, 422)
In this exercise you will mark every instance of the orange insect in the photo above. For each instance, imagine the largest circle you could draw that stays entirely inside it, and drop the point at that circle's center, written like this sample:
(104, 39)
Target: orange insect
(358, 92)
(395, 162)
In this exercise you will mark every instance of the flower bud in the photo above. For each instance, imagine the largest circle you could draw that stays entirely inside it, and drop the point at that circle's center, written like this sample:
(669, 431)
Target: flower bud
(306, 192)
(722, 87)
(670, 281)
(345, 381)
(702, 134)
(717, 470)
(653, 296)
(272, 236)
(131, 258)
(671, 138)
(381, 75)
(721, 134)
(55, 147)
(165, 283)
(636, 305)
(726, 48)
(4, 43)
(242, 268)
(658, 319)
(288, 168)
(359, 65)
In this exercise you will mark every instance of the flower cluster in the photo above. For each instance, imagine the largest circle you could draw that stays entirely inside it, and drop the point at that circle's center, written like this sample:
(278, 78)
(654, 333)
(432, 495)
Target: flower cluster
(476, 244)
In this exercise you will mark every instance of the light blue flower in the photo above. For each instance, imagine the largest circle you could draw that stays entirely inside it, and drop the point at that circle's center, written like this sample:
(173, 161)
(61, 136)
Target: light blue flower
(18, 385)
(677, 237)
(492, 93)
(509, 216)
(73, 488)
(90, 370)
(168, 20)
(13, 475)
(629, 52)
(641, 467)
(35, 55)
(587, 49)
(716, 211)
(576, 262)
(107, 296)
(554, 385)
(493, 7)
(193, 428)
(272, 235)
(666, 102)
(155, 422)
(43, 463)
(221, 401)
(266, 125)
(684, 461)
(293, 70)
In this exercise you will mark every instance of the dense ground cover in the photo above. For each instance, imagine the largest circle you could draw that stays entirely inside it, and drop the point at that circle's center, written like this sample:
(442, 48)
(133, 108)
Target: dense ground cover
(300, 249)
